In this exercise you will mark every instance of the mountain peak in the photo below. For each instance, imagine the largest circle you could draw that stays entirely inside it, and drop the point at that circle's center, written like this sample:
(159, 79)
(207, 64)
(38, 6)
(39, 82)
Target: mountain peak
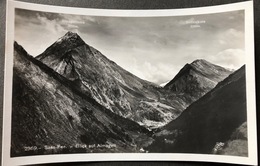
(71, 38)
(69, 33)
(201, 62)
(67, 42)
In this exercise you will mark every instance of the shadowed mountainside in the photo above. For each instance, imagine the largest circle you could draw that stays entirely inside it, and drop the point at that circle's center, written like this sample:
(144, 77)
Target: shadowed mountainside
(210, 120)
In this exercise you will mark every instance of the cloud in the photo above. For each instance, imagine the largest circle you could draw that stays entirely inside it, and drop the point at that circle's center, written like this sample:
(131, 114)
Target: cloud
(231, 58)
(37, 32)
(231, 38)
(232, 32)
(51, 26)
(157, 73)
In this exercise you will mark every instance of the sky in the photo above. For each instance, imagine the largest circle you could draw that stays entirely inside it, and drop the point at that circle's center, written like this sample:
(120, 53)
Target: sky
(152, 48)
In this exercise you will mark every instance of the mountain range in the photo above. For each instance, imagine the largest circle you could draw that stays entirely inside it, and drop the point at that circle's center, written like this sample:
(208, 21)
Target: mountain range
(122, 92)
(71, 97)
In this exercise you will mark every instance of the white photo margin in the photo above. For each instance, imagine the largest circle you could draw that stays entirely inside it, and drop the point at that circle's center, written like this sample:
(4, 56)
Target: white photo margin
(250, 85)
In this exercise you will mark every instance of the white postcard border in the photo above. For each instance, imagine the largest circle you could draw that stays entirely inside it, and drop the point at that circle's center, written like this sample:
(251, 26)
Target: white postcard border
(250, 85)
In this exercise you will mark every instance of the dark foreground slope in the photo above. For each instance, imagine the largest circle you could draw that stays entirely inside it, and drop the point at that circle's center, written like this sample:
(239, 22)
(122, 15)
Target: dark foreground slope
(51, 115)
(208, 122)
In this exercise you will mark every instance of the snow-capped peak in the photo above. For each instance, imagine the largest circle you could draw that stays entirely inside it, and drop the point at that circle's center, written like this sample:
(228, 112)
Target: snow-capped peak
(68, 36)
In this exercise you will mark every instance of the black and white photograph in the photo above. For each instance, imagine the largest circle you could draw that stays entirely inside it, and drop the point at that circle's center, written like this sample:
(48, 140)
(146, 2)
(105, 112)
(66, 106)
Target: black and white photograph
(155, 84)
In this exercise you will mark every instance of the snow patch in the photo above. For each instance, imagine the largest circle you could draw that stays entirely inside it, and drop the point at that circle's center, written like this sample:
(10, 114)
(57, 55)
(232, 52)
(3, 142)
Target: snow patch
(163, 84)
(149, 124)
